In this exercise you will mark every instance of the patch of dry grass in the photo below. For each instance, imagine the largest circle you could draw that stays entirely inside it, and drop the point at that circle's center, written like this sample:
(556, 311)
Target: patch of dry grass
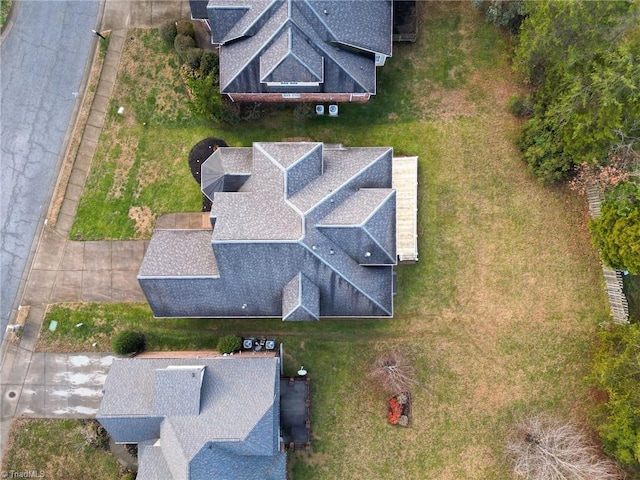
(57, 449)
(140, 169)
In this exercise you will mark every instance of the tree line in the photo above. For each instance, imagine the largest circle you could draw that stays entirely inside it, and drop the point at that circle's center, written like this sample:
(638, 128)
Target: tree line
(580, 63)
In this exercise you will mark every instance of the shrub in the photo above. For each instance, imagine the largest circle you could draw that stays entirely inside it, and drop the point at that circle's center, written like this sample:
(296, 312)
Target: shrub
(393, 373)
(304, 111)
(616, 233)
(543, 153)
(127, 342)
(615, 371)
(206, 99)
(182, 43)
(185, 27)
(231, 111)
(209, 63)
(168, 31)
(128, 476)
(229, 343)
(502, 13)
(192, 58)
(543, 448)
(521, 106)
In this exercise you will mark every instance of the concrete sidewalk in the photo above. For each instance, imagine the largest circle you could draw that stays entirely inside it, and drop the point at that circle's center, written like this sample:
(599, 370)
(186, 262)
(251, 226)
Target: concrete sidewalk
(66, 271)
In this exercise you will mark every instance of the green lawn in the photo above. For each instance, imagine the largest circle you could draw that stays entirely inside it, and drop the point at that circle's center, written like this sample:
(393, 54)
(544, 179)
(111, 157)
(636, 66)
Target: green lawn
(498, 316)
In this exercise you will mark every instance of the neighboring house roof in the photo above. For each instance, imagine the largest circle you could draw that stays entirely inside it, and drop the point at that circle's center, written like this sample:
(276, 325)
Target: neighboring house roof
(321, 46)
(194, 418)
(300, 231)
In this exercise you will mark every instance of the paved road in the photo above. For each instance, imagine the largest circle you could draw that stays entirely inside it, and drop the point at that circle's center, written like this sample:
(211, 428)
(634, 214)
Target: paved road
(43, 59)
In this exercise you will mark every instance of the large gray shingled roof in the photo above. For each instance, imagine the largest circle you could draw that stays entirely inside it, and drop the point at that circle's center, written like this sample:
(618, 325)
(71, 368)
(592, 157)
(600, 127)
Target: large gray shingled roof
(324, 216)
(197, 418)
(327, 46)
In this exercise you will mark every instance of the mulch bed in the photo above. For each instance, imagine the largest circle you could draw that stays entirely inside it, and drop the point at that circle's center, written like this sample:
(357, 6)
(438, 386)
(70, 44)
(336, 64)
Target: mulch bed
(197, 156)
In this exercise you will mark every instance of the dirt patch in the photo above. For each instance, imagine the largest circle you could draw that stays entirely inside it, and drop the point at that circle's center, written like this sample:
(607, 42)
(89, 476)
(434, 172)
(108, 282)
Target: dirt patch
(144, 218)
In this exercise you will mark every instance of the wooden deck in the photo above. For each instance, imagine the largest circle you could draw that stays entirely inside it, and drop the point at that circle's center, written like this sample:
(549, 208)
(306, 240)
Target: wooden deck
(405, 181)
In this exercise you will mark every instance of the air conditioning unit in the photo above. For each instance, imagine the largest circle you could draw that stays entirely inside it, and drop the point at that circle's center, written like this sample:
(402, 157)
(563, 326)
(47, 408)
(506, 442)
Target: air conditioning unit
(270, 344)
(333, 110)
(320, 109)
(247, 343)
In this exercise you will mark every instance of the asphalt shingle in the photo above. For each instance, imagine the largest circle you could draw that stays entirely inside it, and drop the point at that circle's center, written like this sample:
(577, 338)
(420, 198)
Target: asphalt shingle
(275, 227)
(234, 425)
(333, 42)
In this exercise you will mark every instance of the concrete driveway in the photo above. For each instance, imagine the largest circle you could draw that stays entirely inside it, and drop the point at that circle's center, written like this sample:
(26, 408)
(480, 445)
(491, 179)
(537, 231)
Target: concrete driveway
(60, 385)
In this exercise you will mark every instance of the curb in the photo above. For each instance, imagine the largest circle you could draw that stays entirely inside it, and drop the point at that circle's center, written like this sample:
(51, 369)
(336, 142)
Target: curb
(6, 28)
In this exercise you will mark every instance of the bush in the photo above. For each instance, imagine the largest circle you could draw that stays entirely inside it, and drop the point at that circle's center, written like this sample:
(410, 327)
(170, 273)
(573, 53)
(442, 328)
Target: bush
(185, 27)
(304, 111)
(206, 100)
(182, 43)
(192, 58)
(168, 31)
(229, 344)
(502, 13)
(544, 448)
(209, 63)
(127, 342)
(393, 373)
(616, 233)
(521, 106)
(128, 476)
(231, 111)
(543, 153)
(615, 371)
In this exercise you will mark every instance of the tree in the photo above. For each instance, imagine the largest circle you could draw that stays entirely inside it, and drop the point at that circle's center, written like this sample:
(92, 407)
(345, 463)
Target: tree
(616, 371)
(543, 448)
(580, 59)
(616, 233)
(394, 373)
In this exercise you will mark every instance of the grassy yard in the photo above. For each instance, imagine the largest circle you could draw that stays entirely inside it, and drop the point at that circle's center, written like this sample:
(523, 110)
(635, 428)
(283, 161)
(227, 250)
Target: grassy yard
(57, 449)
(499, 315)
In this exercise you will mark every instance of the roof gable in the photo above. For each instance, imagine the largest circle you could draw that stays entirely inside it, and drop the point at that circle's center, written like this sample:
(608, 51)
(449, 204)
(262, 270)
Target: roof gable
(290, 58)
(363, 226)
(363, 24)
(177, 390)
(222, 21)
(300, 299)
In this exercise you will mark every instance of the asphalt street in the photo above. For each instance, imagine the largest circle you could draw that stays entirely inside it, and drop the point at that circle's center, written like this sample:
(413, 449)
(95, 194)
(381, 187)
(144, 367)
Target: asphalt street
(42, 63)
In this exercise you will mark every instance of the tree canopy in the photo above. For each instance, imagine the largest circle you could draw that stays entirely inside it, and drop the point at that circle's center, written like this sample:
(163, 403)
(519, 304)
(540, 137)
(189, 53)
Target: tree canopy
(617, 372)
(616, 233)
(582, 60)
